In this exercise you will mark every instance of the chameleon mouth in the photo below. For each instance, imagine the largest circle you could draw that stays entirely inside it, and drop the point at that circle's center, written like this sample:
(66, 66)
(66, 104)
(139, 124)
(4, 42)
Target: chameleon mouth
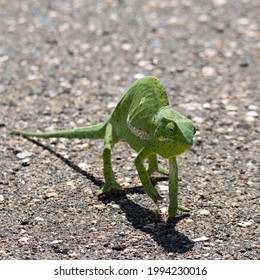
(163, 139)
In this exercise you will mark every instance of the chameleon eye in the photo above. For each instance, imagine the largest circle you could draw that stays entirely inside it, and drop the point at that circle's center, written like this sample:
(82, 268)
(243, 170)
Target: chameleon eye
(170, 127)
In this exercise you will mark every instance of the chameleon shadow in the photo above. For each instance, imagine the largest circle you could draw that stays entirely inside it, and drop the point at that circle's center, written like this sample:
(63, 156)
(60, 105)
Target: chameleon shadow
(89, 176)
(150, 222)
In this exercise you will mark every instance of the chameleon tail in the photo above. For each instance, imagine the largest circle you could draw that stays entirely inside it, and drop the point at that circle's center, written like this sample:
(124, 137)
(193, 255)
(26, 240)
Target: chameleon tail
(94, 131)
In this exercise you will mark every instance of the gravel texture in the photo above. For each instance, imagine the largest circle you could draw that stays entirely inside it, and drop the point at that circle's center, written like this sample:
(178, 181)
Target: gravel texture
(65, 64)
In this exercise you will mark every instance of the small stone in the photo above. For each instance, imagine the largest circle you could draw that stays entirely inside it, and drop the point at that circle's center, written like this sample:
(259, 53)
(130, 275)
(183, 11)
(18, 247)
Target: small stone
(252, 107)
(84, 165)
(251, 114)
(126, 46)
(115, 206)
(210, 53)
(57, 241)
(4, 58)
(2, 88)
(249, 119)
(189, 220)
(203, 18)
(199, 239)
(39, 219)
(164, 210)
(219, 2)
(231, 107)
(52, 194)
(204, 212)
(172, 20)
(23, 155)
(23, 239)
(206, 106)
(243, 21)
(111, 105)
(163, 187)
(26, 162)
(64, 27)
(208, 71)
(138, 76)
(246, 224)
(32, 77)
(1, 198)
(197, 119)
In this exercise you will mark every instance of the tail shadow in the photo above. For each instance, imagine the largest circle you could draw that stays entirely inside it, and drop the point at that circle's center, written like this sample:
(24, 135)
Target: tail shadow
(76, 168)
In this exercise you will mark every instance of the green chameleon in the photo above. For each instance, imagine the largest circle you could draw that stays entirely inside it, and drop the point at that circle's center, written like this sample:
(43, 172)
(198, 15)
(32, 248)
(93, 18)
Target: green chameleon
(143, 119)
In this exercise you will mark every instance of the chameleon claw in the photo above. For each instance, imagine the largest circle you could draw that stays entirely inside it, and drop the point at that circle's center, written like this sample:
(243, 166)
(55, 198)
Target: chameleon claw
(173, 211)
(183, 208)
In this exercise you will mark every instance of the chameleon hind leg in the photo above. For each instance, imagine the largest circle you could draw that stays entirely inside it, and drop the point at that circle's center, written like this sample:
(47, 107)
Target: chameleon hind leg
(154, 166)
(144, 175)
(109, 175)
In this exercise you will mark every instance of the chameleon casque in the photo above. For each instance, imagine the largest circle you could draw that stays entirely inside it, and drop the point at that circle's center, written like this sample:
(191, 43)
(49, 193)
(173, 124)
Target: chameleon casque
(143, 119)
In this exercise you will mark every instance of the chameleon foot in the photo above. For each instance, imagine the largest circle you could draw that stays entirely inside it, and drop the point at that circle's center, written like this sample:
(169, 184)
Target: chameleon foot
(172, 211)
(107, 188)
(183, 208)
(155, 197)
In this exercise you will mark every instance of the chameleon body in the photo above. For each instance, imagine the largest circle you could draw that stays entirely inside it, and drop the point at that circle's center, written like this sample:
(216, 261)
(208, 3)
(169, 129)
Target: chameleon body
(143, 119)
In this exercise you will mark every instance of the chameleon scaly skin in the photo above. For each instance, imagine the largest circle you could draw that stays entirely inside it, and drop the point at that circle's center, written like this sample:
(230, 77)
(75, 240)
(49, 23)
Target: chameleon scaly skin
(143, 119)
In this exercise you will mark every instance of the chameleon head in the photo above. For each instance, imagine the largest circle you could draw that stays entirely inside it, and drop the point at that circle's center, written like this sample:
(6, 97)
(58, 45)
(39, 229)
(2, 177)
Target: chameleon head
(173, 134)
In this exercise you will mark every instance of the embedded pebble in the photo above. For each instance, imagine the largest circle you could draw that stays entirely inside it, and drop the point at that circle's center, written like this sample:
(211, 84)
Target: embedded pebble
(84, 166)
(163, 187)
(23, 239)
(52, 194)
(111, 105)
(115, 206)
(23, 155)
(138, 76)
(252, 114)
(57, 241)
(208, 71)
(204, 212)
(39, 219)
(246, 224)
(198, 119)
(199, 239)
(164, 210)
(252, 107)
(219, 2)
(210, 53)
(1, 198)
(2, 88)
(126, 47)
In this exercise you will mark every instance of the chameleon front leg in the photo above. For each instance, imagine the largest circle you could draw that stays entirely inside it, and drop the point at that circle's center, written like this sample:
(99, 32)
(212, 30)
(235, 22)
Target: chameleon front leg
(144, 175)
(109, 175)
(173, 189)
(154, 166)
